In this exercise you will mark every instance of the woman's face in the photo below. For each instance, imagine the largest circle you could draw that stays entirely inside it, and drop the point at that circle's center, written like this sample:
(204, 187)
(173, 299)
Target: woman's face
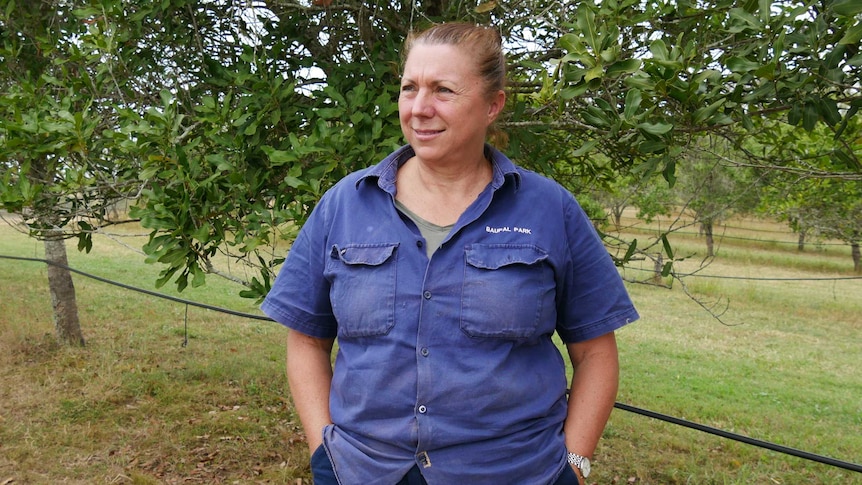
(444, 109)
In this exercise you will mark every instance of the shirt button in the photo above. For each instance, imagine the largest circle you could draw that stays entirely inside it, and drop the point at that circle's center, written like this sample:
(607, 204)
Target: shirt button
(422, 409)
(419, 244)
(424, 352)
(427, 295)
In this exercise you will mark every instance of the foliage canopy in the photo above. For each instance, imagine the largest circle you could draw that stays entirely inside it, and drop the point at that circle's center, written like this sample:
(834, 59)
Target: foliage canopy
(224, 121)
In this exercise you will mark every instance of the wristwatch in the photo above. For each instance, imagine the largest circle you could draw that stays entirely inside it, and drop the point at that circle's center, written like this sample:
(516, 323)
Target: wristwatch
(582, 463)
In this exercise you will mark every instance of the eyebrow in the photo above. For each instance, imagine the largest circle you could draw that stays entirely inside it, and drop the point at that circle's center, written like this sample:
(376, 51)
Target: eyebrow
(436, 82)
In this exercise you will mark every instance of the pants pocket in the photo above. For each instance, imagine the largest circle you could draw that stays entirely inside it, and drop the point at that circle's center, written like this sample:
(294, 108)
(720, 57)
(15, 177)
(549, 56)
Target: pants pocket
(321, 468)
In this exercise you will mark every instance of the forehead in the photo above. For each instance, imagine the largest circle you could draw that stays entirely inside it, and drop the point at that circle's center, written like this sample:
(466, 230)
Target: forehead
(438, 61)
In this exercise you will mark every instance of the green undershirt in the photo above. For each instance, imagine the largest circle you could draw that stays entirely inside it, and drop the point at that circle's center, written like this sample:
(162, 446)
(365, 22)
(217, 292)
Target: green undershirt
(432, 233)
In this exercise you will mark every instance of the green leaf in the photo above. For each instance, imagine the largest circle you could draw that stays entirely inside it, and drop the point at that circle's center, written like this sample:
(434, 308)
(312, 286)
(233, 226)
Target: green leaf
(742, 21)
(633, 103)
(587, 24)
(701, 115)
(294, 182)
(746, 122)
(595, 116)
(85, 241)
(764, 7)
(574, 91)
(655, 128)
(585, 148)
(647, 168)
(706, 74)
(165, 276)
(669, 172)
(667, 268)
(199, 277)
(810, 115)
(847, 8)
(843, 159)
(570, 42)
(778, 46)
(795, 115)
(742, 65)
(631, 250)
(652, 146)
(659, 50)
(853, 35)
(829, 111)
(279, 157)
(594, 73)
(627, 66)
(667, 247)
(182, 282)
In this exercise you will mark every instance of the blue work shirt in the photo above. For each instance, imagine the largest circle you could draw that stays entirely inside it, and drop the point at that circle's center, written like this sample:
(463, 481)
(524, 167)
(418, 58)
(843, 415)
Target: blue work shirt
(448, 362)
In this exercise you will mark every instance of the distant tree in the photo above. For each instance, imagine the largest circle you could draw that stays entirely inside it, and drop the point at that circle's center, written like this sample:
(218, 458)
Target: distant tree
(826, 207)
(837, 214)
(650, 196)
(712, 189)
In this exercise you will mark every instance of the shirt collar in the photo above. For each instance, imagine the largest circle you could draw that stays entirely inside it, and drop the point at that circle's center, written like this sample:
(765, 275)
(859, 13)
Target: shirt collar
(386, 170)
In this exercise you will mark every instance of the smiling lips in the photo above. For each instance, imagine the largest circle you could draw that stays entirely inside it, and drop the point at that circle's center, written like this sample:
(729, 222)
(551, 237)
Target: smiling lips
(426, 133)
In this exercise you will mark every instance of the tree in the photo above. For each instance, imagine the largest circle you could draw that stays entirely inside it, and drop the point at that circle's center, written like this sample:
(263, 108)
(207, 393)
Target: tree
(640, 82)
(825, 207)
(59, 150)
(649, 196)
(713, 191)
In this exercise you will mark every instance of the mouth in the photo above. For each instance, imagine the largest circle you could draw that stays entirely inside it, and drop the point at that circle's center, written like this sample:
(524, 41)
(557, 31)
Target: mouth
(426, 133)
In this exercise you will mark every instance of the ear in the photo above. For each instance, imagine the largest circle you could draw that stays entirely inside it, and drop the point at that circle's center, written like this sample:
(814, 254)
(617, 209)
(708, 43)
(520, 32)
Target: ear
(497, 102)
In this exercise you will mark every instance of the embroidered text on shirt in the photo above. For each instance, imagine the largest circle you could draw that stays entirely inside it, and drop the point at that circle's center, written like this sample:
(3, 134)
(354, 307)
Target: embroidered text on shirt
(498, 230)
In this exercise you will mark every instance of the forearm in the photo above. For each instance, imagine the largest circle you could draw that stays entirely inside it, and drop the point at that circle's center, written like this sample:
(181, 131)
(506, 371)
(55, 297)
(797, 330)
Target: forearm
(593, 392)
(309, 373)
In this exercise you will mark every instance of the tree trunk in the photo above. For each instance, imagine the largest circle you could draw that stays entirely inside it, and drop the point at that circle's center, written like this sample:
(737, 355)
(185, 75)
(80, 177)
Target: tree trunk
(800, 245)
(62, 288)
(710, 243)
(658, 264)
(857, 257)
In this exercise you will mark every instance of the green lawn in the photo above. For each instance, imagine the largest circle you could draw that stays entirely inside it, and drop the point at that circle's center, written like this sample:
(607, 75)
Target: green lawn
(138, 406)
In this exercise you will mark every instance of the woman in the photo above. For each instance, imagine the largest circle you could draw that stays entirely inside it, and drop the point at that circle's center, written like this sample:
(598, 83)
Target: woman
(443, 272)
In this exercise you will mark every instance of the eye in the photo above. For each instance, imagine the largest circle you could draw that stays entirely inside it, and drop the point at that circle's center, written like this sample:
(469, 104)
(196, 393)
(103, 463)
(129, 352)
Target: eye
(406, 88)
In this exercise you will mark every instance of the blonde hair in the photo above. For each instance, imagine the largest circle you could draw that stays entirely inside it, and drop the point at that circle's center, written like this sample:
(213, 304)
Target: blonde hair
(485, 44)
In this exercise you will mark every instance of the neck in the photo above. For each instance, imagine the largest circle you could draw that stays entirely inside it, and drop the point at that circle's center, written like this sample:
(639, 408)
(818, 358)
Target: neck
(439, 194)
(458, 178)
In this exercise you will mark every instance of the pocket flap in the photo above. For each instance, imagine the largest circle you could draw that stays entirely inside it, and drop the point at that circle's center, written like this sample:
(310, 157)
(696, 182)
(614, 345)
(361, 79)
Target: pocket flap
(497, 256)
(364, 254)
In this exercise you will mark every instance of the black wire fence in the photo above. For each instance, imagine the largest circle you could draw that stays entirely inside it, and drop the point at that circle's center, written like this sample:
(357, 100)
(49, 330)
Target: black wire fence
(625, 407)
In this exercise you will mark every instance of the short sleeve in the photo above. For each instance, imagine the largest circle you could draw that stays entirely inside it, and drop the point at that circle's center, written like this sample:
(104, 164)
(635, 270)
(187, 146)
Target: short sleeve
(299, 299)
(593, 300)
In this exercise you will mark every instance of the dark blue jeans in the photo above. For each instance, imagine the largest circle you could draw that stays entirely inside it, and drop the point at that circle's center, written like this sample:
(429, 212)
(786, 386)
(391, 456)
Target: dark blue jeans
(323, 474)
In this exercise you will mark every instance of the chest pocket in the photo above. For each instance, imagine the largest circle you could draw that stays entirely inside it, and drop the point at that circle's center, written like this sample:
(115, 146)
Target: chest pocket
(362, 290)
(508, 292)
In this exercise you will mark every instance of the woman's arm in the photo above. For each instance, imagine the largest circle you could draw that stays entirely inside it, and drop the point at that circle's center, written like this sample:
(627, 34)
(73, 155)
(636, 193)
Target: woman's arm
(593, 392)
(309, 373)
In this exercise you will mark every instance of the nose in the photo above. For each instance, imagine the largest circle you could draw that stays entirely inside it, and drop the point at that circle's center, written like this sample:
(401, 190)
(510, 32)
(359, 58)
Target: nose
(422, 103)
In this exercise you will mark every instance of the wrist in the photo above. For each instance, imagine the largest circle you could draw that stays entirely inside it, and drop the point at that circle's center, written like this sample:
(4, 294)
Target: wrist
(579, 475)
(581, 465)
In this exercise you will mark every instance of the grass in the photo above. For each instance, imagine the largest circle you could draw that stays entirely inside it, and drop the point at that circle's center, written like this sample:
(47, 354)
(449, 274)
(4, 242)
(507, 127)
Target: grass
(137, 406)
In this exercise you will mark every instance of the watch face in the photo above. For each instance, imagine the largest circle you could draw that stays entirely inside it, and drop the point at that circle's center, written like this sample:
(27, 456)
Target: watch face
(585, 467)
